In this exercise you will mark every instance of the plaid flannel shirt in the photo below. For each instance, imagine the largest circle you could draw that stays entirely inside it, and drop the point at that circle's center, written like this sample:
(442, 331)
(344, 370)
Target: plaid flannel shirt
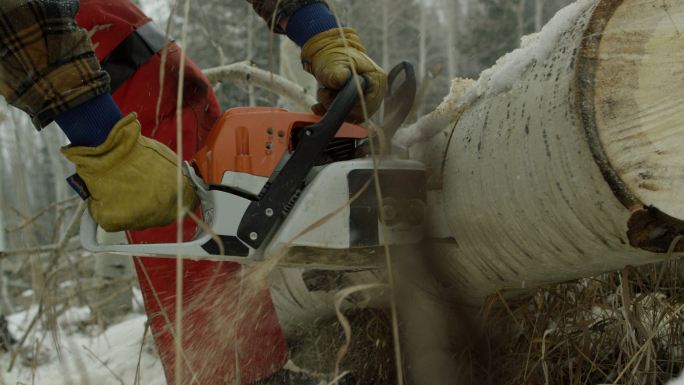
(47, 63)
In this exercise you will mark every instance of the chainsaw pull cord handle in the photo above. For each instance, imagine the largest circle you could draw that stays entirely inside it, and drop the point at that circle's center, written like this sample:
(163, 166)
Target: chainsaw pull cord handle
(283, 189)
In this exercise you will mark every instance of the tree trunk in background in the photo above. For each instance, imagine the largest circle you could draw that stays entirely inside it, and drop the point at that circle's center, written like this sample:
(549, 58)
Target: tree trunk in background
(20, 173)
(538, 15)
(576, 166)
(6, 306)
(422, 59)
(422, 44)
(3, 202)
(250, 51)
(54, 139)
(386, 9)
(519, 9)
(113, 274)
(453, 11)
(291, 69)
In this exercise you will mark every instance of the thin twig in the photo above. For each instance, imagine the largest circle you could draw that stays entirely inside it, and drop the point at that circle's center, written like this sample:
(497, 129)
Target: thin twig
(136, 380)
(92, 354)
(62, 205)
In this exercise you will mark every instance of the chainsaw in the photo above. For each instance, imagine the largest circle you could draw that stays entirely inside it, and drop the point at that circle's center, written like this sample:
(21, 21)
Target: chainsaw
(296, 187)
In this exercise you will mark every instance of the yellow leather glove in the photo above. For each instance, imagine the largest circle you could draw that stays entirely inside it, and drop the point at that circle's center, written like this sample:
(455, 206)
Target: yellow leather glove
(328, 58)
(131, 178)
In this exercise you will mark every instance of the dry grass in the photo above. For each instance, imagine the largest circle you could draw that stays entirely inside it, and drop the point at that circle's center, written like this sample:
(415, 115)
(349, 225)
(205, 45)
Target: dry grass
(370, 358)
(620, 328)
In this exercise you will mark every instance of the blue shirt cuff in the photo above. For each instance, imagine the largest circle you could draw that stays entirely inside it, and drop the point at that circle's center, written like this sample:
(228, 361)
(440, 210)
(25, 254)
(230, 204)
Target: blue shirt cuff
(308, 21)
(90, 123)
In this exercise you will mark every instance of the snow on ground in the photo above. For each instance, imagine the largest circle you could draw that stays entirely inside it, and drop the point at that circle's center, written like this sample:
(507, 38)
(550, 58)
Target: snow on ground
(679, 381)
(85, 353)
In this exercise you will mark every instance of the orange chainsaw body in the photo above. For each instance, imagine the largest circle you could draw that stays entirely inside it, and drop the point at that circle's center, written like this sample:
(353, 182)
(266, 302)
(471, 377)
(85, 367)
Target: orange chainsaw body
(253, 140)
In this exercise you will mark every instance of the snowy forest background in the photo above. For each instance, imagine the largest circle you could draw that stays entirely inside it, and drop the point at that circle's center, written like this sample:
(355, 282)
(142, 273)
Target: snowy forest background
(57, 296)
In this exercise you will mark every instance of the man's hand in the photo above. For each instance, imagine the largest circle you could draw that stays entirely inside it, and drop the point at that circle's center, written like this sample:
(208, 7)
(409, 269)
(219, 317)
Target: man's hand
(132, 179)
(329, 56)
(47, 63)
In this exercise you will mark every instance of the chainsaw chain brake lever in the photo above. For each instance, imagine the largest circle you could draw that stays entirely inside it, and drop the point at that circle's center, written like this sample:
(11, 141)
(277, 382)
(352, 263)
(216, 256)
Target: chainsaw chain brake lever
(281, 191)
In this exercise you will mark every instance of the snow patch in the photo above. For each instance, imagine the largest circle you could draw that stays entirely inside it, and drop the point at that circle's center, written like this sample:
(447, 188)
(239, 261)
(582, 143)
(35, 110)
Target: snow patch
(85, 355)
(679, 381)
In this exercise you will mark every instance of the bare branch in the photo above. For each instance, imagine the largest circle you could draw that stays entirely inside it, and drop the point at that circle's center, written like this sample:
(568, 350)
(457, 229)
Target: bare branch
(433, 123)
(60, 246)
(63, 205)
(247, 74)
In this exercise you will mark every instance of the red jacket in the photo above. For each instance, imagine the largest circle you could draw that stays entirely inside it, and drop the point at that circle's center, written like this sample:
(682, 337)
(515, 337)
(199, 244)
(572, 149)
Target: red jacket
(223, 314)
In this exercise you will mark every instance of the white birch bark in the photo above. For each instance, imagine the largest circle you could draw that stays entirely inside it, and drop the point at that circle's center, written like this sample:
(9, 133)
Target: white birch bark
(566, 161)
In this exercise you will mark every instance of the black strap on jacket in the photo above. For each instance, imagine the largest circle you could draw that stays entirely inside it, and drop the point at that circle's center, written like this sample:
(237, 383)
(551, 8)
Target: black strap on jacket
(132, 53)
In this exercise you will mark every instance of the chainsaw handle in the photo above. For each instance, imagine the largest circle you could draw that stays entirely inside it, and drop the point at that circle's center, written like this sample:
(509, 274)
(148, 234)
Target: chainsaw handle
(343, 103)
(194, 249)
(88, 237)
(283, 188)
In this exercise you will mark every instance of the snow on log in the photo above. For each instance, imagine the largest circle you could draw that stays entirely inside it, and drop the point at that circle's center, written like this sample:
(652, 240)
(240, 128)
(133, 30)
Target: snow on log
(567, 159)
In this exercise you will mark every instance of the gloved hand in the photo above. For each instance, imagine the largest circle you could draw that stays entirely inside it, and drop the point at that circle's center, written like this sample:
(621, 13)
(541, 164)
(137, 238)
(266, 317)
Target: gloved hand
(47, 63)
(328, 58)
(131, 178)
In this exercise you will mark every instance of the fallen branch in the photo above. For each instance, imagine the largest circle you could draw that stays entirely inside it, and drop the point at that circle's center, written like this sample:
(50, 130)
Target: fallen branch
(448, 112)
(247, 74)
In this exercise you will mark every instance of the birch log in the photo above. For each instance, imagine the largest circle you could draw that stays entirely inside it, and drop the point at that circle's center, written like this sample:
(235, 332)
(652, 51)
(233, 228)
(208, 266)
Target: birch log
(568, 158)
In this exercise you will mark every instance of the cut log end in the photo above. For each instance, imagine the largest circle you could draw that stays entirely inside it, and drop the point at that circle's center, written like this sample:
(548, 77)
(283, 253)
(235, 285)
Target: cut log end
(630, 77)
